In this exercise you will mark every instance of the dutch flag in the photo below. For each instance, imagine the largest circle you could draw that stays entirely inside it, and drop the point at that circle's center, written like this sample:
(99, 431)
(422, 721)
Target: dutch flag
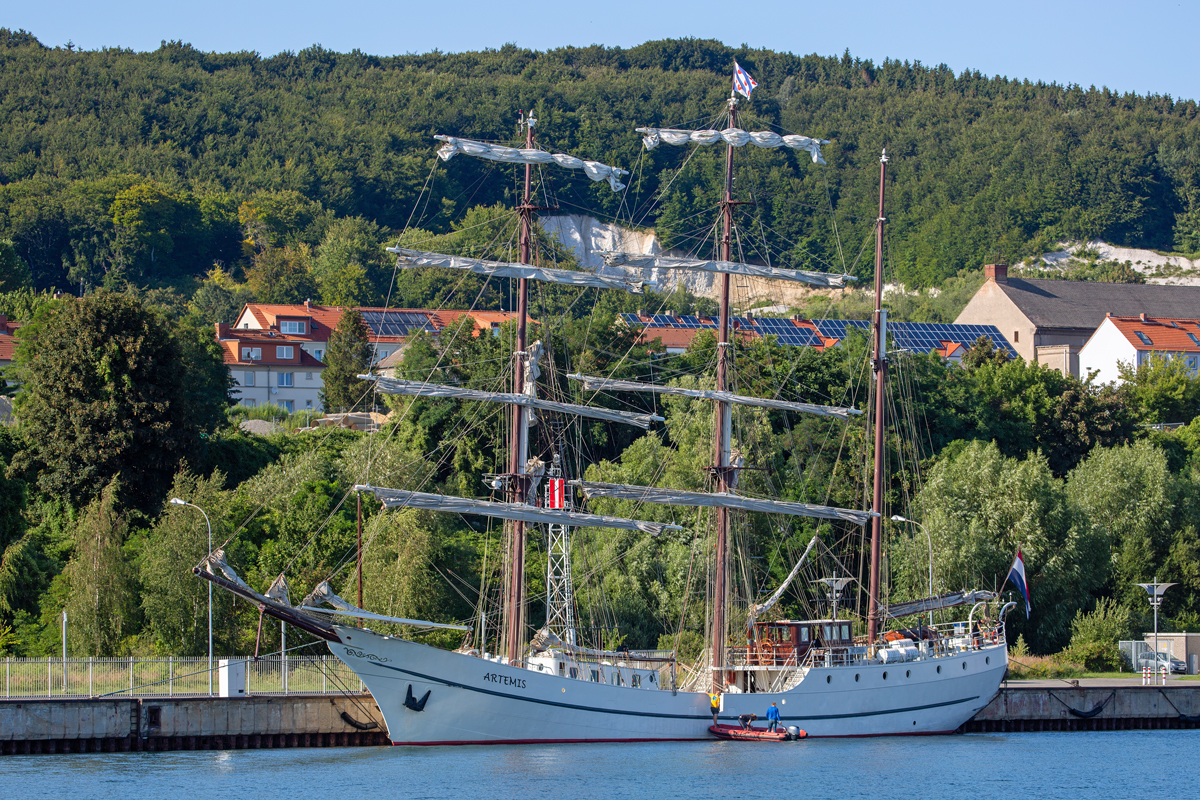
(1017, 575)
(743, 84)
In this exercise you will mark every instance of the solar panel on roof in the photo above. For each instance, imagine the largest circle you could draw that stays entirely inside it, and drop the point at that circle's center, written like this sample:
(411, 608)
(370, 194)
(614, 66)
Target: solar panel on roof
(397, 323)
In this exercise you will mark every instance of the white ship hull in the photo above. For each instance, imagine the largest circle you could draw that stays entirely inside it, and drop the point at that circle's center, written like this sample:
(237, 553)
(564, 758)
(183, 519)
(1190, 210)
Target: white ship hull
(476, 701)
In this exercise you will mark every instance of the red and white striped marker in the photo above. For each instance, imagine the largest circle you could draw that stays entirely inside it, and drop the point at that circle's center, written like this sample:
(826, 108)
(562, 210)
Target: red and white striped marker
(556, 493)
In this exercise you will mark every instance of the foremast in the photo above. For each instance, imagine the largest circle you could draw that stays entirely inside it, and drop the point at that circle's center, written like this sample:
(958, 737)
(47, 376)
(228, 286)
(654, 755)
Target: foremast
(518, 482)
(879, 364)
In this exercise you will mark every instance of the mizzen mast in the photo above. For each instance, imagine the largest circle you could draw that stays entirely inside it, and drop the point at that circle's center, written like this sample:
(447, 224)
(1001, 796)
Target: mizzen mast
(880, 366)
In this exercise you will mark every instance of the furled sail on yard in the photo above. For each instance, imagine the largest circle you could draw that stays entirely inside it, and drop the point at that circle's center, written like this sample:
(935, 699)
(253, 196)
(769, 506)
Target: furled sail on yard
(407, 259)
(592, 383)
(520, 512)
(529, 155)
(673, 497)
(734, 137)
(638, 261)
(926, 604)
(420, 389)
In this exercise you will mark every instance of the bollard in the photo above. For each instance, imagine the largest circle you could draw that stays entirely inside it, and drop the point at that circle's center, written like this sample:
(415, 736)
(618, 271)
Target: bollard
(1145, 675)
(1164, 675)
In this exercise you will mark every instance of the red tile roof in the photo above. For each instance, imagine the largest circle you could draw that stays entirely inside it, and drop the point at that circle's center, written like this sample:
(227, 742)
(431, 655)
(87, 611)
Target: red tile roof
(1168, 334)
(8, 339)
(324, 319)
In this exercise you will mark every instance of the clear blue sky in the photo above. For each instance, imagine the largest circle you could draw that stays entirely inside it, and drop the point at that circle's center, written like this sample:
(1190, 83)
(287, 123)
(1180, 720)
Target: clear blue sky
(1147, 46)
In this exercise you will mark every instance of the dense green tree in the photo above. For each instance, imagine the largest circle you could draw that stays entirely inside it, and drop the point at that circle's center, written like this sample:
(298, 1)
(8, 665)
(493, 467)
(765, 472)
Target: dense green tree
(1163, 389)
(349, 265)
(101, 604)
(979, 506)
(14, 272)
(173, 602)
(348, 356)
(282, 275)
(107, 388)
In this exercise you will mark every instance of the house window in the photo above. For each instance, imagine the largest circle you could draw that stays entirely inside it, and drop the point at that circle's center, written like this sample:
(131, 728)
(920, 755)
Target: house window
(1191, 362)
(308, 376)
(248, 403)
(249, 379)
(245, 326)
(308, 403)
(495, 329)
(317, 354)
(1145, 339)
(285, 379)
(251, 354)
(283, 353)
(383, 354)
(1016, 336)
(291, 326)
(288, 404)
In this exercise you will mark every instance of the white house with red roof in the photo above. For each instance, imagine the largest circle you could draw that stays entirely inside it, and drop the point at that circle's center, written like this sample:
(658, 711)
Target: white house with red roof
(1134, 340)
(276, 352)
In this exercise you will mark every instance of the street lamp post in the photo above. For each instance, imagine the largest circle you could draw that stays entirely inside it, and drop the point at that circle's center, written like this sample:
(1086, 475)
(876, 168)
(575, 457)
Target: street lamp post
(175, 501)
(898, 518)
(1156, 591)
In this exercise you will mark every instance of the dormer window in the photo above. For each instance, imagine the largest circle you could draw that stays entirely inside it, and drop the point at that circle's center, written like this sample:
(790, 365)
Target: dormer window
(251, 354)
(284, 353)
(292, 326)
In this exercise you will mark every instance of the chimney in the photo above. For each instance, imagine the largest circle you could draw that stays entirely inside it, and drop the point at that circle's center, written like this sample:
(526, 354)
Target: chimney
(1142, 317)
(308, 305)
(996, 272)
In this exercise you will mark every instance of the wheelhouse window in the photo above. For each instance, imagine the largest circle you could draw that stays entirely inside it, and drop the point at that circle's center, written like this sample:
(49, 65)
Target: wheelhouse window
(596, 676)
(845, 632)
(804, 634)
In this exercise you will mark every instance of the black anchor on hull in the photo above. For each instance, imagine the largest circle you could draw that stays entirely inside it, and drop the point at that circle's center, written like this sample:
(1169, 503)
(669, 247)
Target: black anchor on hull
(412, 703)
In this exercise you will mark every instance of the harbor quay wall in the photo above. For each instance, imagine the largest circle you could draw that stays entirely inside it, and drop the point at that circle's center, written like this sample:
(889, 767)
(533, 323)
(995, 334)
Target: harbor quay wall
(195, 723)
(1064, 707)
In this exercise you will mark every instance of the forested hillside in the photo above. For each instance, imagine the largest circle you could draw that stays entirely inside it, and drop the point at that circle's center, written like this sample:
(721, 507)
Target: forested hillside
(169, 188)
(138, 163)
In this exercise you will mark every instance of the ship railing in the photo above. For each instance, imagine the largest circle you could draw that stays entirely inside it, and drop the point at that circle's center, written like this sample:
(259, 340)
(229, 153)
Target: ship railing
(171, 676)
(749, 657)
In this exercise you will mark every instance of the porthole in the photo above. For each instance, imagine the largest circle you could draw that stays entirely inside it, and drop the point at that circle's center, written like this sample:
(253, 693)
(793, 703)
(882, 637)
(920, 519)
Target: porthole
(828, 678)
(908, 673)
(939, 669)
(856, 677)
(885, 676)
(964, 665)
(987, 659)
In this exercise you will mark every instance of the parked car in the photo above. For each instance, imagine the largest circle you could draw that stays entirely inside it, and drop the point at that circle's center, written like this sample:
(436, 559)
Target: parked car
(1162, 660)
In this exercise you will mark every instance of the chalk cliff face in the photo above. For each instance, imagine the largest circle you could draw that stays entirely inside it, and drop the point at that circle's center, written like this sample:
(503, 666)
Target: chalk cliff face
(587, 236)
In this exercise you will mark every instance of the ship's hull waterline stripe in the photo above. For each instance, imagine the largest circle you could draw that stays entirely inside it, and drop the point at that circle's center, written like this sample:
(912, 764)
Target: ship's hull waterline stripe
(703, 716)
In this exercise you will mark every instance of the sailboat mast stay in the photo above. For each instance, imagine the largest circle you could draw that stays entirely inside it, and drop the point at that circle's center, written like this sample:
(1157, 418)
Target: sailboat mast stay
(880, 367)
(519, 441)
(723, 421)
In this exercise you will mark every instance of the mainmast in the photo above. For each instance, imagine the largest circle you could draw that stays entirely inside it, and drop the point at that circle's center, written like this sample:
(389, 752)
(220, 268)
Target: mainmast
(519, 441)
(880, 366)
(724, 426)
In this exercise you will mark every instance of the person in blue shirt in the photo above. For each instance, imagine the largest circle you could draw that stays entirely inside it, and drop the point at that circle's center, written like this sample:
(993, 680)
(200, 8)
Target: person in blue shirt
(772, 718)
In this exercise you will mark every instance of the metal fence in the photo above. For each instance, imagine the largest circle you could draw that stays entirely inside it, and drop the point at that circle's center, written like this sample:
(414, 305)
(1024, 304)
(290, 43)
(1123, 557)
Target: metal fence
(170, 677)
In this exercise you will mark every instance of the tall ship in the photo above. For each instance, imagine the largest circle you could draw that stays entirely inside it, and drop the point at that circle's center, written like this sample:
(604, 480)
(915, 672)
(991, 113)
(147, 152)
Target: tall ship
(886, 669)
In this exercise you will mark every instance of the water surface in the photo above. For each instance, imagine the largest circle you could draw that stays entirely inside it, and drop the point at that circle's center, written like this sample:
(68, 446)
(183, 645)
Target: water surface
(1057, 765)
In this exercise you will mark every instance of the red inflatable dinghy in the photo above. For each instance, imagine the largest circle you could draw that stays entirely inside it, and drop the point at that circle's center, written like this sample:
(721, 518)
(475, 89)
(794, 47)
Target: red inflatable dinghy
(751, 735)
